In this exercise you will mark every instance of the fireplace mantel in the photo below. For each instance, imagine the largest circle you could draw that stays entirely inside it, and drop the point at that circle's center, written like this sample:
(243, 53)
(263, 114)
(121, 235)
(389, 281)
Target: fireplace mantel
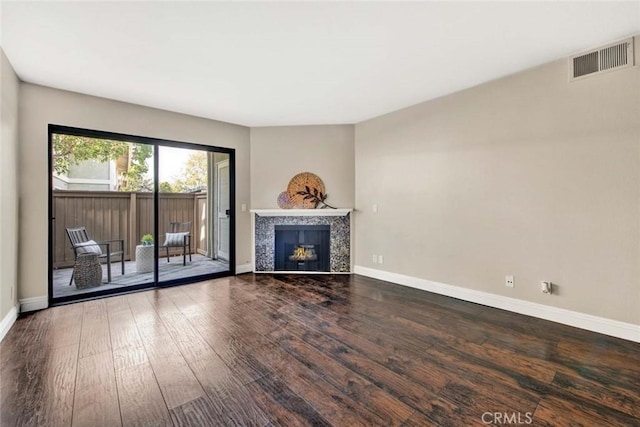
(263, 223)
(302, 212)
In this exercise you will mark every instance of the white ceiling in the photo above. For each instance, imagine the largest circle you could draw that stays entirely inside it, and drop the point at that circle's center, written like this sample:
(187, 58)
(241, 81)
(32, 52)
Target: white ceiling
(268, 63)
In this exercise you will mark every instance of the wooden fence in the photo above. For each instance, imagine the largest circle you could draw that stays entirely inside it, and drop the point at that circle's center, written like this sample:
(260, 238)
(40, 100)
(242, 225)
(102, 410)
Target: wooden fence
(123, 215)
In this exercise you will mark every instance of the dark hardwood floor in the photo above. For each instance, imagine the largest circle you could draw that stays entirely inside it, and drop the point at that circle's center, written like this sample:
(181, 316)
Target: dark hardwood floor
(264, 350)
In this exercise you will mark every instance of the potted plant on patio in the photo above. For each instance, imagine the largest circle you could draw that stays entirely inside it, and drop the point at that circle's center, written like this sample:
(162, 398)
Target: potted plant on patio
(147, 240)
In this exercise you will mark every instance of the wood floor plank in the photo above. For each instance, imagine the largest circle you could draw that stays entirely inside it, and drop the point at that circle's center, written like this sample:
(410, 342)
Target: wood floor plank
(231, 399)
(337, 325)
(386, 353)
(38, 329)
(39, 390)
(227, 397)
(562, 413)
(541, 370)
(96, 394)
(95, 337)
(228, 348)
(488, 377)
(67, 326)
(333, 404)
(219, 332)
(521, 343)
(594, 361)
(141, 402)
(396, 385)
(394, 321)
(126, 343)
(56, 327)
(12, 338)
(373, 298)
(392, 410)
(122, 326)
(473, 401)
(176, 380)
(285, 407)
(27, 345)
(190, 343)
(198, 412)
(129, 357)
(447, 415)
(611, 396)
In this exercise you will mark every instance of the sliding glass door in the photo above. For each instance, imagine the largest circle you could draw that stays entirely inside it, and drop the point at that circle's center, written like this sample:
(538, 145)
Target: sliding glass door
(188, 206)
(131, 212)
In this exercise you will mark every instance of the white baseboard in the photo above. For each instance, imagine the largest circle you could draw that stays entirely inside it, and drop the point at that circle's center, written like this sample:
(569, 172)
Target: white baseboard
(615, 328)
(244, 268)
(33, 304)
(303, 272)
(8, 321)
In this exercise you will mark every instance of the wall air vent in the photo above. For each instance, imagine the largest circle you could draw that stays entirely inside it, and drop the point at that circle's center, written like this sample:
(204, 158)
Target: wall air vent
(607, 58)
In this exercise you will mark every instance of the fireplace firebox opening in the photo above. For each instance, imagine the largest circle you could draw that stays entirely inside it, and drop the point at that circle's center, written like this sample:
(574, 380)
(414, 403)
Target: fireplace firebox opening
(302, 248)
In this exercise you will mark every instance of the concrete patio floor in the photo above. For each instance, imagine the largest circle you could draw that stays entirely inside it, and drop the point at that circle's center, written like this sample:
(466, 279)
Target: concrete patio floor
(168, 271)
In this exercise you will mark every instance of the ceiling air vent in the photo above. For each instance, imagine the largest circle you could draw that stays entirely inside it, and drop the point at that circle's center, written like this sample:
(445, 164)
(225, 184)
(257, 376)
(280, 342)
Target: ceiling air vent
(611, 57)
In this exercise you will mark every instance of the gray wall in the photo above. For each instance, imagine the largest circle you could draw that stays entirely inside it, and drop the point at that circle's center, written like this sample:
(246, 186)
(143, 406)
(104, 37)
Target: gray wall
(278, 153)
(40, 106)
(9, 89)
(529, 175)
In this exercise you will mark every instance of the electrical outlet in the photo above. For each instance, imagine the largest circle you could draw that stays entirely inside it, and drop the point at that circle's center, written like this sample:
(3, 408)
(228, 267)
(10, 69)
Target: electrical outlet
(380, 259)
(509, 282)
(374, 208)
(375, 259)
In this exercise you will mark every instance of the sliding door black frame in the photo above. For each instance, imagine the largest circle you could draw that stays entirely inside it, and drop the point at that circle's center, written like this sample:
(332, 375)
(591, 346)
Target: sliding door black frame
(156, 143)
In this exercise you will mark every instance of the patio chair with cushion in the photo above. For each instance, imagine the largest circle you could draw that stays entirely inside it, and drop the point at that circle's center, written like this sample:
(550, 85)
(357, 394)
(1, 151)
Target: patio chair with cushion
(179, 236)
(82, 244)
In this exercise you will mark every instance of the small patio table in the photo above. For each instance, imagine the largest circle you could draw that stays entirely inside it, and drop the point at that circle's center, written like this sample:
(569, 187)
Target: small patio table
(144, 258)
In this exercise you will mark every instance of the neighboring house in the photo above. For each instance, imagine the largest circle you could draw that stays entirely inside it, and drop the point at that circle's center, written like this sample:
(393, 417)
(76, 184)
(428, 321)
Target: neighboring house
(89, 175)
(93, 175)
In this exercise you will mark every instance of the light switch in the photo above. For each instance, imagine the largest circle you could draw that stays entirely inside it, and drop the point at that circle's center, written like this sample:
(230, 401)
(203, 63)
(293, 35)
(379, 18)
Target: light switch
(375, 208)
(243, 207)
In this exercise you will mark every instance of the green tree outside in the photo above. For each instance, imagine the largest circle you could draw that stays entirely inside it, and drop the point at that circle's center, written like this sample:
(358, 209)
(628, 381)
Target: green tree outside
(166, 187)
(134, 179)
(193, 175)
(72, 150)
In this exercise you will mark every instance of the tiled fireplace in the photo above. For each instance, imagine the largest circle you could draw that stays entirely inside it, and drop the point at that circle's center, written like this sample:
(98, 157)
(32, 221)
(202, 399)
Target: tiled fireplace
(302, 240)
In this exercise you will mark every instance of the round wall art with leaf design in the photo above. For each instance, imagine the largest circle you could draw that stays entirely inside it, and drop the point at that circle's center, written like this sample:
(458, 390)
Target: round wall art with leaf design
(305, 191)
